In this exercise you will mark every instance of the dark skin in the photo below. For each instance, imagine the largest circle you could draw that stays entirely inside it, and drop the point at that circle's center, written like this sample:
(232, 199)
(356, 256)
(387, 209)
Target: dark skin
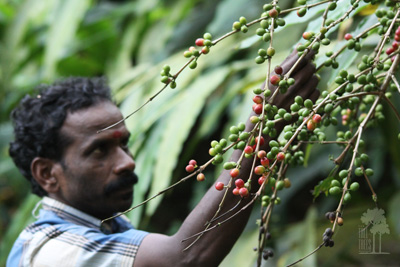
(94, 161)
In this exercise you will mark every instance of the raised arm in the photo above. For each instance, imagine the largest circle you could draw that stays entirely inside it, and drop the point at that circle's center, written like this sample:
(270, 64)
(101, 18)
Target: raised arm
(213, 246)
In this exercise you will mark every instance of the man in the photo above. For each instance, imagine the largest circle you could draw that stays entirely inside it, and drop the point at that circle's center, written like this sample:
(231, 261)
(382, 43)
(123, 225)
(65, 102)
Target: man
(85, 176)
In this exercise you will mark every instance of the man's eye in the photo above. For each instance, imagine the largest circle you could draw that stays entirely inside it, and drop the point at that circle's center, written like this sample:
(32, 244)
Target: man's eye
(100, 150)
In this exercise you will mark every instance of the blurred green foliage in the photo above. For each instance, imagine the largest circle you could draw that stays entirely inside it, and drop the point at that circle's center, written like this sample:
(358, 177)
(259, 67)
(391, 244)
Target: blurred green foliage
(129, 42)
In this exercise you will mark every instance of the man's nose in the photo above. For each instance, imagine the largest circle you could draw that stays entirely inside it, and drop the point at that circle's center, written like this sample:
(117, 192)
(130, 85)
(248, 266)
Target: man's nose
(124, 162)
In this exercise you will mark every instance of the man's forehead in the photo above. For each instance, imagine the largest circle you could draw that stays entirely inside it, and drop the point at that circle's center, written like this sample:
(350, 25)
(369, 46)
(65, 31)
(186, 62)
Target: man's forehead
(93, 119)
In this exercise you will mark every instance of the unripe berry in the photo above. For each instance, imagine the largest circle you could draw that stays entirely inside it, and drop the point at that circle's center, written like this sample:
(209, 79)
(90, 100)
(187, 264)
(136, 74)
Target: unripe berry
(270, 51)
(219, 186)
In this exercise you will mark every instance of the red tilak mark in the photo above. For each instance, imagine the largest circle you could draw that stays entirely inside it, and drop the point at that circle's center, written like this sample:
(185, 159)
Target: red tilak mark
(116, 134)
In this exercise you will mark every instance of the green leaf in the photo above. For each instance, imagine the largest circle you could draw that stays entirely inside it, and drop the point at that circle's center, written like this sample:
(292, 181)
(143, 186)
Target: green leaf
(67, 16)
(185, 113)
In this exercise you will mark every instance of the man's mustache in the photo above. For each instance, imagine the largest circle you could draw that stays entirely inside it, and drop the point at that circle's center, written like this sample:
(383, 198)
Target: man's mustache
(122, 182)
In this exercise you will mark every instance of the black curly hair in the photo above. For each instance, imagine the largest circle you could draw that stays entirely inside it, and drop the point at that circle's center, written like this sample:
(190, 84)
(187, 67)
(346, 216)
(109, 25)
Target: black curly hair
(38, 119)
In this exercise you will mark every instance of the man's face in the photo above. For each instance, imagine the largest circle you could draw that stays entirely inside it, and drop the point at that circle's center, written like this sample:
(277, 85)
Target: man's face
(97, 169)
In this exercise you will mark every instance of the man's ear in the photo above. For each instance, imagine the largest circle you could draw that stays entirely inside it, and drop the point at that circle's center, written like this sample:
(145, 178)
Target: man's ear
(44, 171)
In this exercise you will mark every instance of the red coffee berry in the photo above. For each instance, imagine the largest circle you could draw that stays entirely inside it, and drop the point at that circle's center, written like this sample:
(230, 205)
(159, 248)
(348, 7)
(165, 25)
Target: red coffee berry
(390, 50)
(348, 36)
(261, 154)
(274, 79)
(199, 42)
(280, 156)
(189, 168)
(219, 186)
(397, 37)
(264, 161)
(239, 183)
(261, 180)
(311, 125)
(235, 191)
(261, 140)
(200, 177)
(259, 170)
(257, 99)
(258, 108)
(398, 31)
(248, 149)
(234, 173)
(243, 192)
(193, 162)
(278, 70)
(317, 118)
(395, 45)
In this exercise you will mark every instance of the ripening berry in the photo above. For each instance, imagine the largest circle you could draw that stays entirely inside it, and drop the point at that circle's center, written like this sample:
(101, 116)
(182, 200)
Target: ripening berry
(301, 12)
(235, 191)
(239, 183)
(259, 170)
(189, 168)
(234, 173)
(340, 221)
(280, 156)
(316, 118)
(257, 99)
(273, 13)
(287, 183)
(261, 154)
(243, 192)
(248, 150)
(311, 125)
(200, 177)
(348, 36)
(199, 42)
(261, 180)
(219, 186)
(193, 162)
(307, 35)
(274, 79)
(205, 50)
